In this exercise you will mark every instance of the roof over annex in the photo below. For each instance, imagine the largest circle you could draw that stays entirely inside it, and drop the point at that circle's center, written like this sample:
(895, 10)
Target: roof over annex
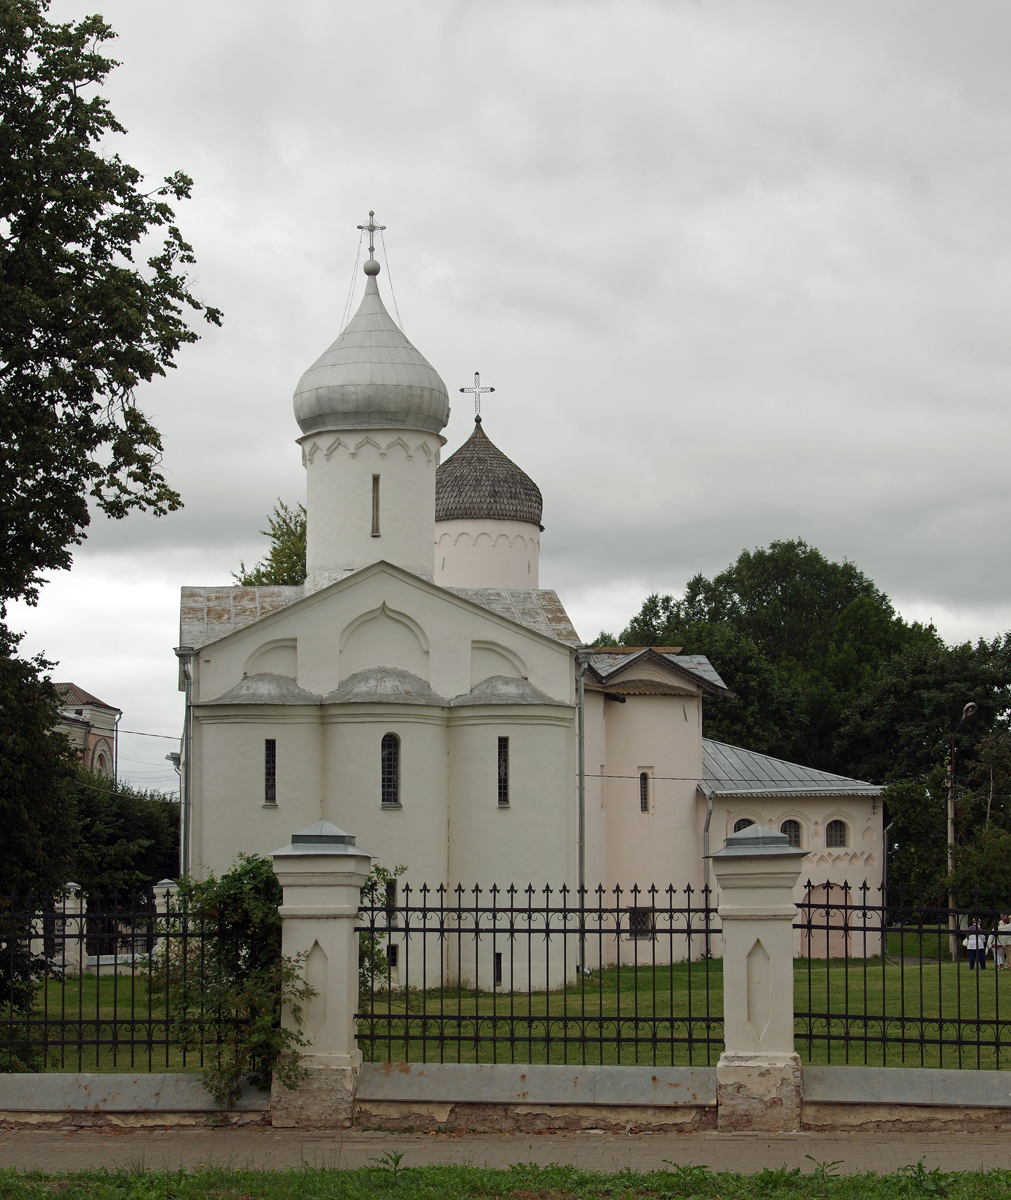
(72, 696)
(372, 377)
(732, 771)
(607, 664)
(479, 482)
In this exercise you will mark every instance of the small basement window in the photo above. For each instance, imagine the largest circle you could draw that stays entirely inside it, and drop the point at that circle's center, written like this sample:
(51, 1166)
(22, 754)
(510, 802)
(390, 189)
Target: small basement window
(391, 954)
(640, 923)
(270, 771)
(498, 968)
(835, 833)
(743, 823)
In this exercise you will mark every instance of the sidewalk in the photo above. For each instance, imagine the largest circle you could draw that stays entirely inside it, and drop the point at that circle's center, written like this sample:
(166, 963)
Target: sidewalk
(274, 1150)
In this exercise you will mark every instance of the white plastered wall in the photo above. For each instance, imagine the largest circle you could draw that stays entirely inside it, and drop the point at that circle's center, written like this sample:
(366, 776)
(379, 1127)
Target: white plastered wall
(487, 554)
(328, 756)
(857, 862)
(339, 470)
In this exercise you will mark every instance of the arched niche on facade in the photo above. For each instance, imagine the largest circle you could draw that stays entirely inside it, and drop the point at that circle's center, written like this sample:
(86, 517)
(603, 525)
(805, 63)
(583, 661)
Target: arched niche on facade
(383, 635)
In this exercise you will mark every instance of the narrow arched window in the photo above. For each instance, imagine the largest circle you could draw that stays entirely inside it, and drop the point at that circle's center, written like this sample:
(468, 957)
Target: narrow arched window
(391, 770)
(792, 831)
(835, 833)
(743, 823)
(644, 791)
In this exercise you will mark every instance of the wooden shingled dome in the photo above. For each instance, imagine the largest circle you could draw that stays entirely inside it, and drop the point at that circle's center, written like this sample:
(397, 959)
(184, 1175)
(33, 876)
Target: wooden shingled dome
(480, 482)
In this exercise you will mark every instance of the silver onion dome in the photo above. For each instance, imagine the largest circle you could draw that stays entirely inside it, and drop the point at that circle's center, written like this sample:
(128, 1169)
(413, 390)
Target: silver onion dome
(371, 377)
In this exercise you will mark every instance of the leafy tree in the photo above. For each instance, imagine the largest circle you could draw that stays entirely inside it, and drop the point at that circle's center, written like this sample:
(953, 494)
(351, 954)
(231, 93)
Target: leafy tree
(128, 839)
(900, 724)
(284, 563)
(917, 812)
(37, 776)
(80, 324)
(801, 636)
(230, 998)
(373, 963)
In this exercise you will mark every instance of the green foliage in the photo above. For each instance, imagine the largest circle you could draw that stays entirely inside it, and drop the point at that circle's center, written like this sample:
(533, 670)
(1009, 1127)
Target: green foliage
(37, 774)
(284, 563)
(231, 1006)
(128, 838)
(80, 324)
(899, 724)
(917, 811)
(794, 636)
(373, 965)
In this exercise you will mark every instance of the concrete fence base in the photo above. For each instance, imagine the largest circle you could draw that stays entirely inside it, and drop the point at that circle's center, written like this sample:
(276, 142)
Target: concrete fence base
(529, 1099)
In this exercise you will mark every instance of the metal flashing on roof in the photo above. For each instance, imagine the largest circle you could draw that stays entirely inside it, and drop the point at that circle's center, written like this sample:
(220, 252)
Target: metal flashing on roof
(539, 610)
(70, 695)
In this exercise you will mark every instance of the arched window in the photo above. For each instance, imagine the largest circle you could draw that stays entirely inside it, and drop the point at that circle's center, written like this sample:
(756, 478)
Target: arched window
(792, 831)
(835, 833)
(391, 769)
(743, 823)
(644, 791)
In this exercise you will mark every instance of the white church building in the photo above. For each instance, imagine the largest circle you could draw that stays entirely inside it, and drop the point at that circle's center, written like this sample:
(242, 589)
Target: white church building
(421, 690)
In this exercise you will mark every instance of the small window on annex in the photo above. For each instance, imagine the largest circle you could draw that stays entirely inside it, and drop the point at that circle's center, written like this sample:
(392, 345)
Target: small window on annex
(835, 833)
(792, 831)
(391, 770)
(743, 823)
(270, 771)
(644, 791)
(375, 506)
(503, 772)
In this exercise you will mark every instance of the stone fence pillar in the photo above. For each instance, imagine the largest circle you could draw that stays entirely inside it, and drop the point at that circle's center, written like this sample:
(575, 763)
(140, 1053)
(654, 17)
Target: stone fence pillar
(72, 930)
(758, 1077)
(322, 874)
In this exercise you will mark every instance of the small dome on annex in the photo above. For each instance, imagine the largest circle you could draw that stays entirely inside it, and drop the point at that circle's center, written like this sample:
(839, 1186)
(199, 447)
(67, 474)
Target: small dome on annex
(479, 482)
(372, 377)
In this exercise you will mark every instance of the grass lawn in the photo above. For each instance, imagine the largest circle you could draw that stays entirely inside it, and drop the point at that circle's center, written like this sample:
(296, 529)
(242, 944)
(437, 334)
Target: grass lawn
(894, 1012)
(521, 1182)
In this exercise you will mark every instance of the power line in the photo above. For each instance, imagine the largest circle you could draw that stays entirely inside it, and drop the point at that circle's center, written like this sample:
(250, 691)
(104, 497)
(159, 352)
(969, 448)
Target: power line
(172, 737)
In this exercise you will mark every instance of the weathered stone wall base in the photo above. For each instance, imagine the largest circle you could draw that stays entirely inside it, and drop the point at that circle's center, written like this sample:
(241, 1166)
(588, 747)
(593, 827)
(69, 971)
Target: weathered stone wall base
(139, 1120)
(532, 1118)
(760, 1093)
(325, 1100)
(902, 1118)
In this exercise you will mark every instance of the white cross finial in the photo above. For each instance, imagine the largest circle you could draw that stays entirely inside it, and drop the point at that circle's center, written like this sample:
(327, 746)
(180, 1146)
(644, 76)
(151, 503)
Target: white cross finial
(478, 392)
(373, 229)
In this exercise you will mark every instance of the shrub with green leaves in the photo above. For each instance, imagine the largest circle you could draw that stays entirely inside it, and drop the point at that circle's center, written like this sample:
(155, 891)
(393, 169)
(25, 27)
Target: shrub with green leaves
(228, 1003)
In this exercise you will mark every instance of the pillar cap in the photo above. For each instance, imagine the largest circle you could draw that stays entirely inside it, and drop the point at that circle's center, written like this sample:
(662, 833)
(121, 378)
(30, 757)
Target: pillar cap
(757, 841)
(322, 837)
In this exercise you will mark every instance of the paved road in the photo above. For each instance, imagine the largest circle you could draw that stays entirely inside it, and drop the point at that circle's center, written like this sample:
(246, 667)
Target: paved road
(269, 1149)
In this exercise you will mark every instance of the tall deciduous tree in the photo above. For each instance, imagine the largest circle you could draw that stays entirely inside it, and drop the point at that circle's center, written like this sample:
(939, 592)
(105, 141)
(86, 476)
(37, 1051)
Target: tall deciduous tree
(284, 562)
(81, 324)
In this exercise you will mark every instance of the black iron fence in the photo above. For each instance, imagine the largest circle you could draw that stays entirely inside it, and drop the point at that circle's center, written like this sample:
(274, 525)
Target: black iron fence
(922, 981)
(524, 975)
(115, 983)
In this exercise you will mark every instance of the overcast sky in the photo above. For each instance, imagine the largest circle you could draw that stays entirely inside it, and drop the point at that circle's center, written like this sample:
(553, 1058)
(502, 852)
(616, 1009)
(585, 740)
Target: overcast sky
(737, 271)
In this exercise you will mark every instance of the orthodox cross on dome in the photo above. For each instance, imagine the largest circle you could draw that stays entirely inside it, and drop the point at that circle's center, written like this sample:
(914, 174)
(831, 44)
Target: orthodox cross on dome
(478, 392)
(372, 229)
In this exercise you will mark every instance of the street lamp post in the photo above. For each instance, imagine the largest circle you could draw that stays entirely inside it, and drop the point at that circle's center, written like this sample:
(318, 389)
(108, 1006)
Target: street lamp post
(967, 712)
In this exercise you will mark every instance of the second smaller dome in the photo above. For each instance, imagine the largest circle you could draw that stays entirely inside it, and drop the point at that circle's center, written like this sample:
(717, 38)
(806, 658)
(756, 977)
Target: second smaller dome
(479, 482)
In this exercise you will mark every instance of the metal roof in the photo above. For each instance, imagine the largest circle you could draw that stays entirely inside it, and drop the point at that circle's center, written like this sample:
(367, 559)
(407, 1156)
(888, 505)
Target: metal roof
(608, 663)
(538, 609)
(371, 378)
(479, 482)
(71, 695)
(207, 614)
(732, 771)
